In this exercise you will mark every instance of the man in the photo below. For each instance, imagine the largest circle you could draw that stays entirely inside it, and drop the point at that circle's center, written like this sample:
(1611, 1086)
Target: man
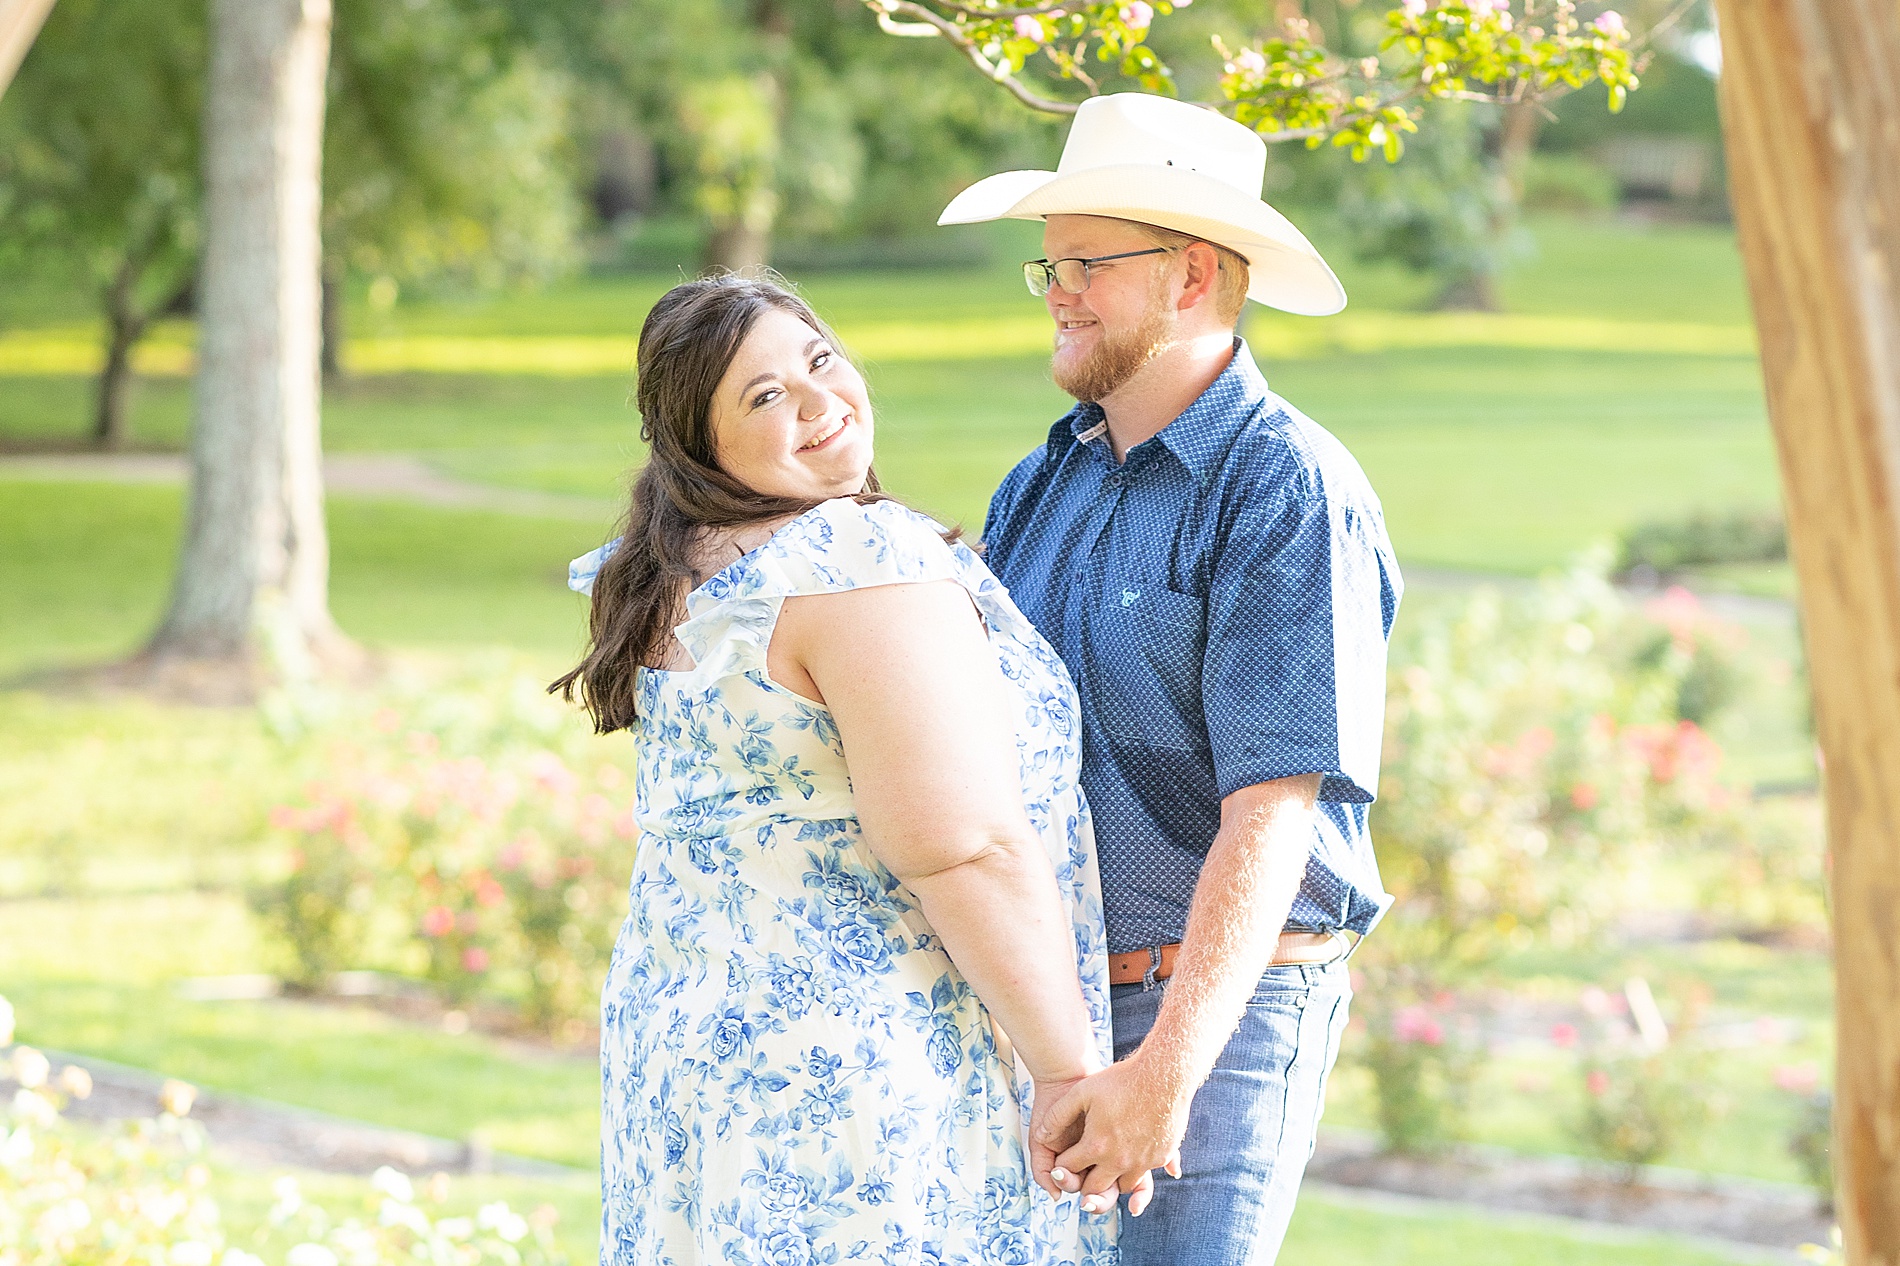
(1214, 569)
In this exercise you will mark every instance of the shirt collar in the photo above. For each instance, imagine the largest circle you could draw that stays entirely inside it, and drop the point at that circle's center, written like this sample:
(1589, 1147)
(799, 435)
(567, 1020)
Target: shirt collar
(1200, 436)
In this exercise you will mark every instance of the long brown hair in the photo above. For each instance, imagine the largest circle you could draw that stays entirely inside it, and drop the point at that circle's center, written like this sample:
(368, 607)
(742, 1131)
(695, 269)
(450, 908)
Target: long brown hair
(686, 345)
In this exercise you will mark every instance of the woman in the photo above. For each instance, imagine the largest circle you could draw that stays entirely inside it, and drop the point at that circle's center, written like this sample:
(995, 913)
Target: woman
(861, 838)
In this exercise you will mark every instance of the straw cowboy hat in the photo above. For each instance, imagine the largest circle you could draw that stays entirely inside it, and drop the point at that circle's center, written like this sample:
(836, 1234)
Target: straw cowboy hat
(1136, 157)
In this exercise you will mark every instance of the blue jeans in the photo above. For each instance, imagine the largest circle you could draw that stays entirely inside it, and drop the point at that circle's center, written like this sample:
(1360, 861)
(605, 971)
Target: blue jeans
(1250, 1130)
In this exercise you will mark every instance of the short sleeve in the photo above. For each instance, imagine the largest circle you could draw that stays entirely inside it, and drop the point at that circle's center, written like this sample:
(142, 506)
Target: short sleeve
(1299, 607)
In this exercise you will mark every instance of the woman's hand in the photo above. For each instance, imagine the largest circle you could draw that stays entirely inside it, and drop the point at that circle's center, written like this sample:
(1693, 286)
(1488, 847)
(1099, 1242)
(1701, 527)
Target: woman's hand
(1108, 1133)
(1042, 1154)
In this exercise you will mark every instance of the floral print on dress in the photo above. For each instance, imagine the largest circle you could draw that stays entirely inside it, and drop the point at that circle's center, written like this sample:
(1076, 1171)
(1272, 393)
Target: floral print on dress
(793, 1071)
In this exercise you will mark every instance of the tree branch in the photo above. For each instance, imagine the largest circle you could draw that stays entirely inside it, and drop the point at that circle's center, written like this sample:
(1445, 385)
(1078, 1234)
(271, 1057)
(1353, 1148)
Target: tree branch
(888, 10)
(1023, 11)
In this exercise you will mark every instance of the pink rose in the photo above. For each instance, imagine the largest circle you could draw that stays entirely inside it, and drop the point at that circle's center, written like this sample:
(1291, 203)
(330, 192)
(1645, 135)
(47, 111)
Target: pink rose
(1798, 1079)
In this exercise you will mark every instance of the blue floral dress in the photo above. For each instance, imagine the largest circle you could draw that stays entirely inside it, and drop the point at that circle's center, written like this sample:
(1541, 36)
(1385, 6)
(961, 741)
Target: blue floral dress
(793, 1071)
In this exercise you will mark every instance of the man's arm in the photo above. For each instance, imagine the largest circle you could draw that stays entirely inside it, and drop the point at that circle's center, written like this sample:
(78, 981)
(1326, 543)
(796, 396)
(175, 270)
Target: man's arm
(1130, 1118)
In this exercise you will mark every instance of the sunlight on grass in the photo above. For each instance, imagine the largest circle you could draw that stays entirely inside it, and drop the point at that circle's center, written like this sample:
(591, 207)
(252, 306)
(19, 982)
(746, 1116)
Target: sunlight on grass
(891, 342)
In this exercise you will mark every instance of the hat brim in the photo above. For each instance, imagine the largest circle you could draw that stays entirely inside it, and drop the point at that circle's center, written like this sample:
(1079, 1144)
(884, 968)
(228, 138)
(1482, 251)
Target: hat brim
(1285, 271)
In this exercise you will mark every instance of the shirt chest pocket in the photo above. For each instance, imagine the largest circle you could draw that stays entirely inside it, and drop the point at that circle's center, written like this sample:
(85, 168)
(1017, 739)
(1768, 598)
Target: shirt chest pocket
(1145, 666)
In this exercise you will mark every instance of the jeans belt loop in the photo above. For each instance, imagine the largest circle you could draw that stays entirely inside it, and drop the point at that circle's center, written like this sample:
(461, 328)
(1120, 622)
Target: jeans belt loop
(1154, 965)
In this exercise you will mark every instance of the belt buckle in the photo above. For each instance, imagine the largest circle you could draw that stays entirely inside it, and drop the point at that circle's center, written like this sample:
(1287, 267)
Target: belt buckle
(1148, 978)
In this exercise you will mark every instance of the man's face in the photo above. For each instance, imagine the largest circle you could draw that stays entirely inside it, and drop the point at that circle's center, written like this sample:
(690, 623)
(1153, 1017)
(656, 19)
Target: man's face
(1108, 332)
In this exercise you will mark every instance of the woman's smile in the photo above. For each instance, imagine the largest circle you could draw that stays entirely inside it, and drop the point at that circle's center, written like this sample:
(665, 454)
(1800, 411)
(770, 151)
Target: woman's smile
(825, 437)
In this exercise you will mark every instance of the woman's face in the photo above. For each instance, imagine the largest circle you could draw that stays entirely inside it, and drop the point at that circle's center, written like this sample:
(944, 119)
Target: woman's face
(791, 417)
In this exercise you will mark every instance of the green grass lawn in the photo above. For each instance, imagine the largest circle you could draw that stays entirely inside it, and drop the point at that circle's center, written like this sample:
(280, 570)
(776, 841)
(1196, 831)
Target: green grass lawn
(1488, 457)
(85, 569)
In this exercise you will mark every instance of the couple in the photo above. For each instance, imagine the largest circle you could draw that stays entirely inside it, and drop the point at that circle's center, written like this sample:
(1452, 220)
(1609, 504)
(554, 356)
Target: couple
(888, 969)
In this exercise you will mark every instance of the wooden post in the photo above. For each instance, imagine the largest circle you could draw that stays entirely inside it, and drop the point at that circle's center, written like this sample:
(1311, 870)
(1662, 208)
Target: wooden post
(20, 22)
(1811, 109)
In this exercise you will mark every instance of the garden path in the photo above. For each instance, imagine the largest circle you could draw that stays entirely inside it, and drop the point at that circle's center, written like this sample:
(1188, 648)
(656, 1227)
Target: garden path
(393, 475)
(1745, 1221)
(402, 476)
(260, 1132)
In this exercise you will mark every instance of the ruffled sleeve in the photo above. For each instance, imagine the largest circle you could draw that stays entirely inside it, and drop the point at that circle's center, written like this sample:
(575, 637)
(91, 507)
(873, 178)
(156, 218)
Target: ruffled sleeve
(581, 572)
(844, 545)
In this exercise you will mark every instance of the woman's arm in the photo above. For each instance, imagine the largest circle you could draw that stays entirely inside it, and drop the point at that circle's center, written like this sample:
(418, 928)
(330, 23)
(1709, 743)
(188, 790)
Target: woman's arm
(908, 674)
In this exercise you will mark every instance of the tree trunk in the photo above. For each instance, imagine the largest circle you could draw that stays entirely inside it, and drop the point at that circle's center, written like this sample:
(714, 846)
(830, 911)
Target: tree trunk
(125, 325)
(1810, 91)
(332, 362)
(739, 246)
(1517, 138)
(255, 560)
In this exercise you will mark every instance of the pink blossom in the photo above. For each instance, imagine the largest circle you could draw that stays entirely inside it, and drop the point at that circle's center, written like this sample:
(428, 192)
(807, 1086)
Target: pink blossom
(1028, 28)
(1798, 1079)
(1138, 15)
(488, 892)
(1481, 9)
(1610, 23)
(1564, 1035)
(1584, 797)
(475, 959)
(1414, 8)
(1596, 1002)
(1249, 61)
(1597, 1082)
(439, 921)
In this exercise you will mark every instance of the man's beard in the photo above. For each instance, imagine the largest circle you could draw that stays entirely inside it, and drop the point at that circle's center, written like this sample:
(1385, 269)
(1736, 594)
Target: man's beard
(1118, 357)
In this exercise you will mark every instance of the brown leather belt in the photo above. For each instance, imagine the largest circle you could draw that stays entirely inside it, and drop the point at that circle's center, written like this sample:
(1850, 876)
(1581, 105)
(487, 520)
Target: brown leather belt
(1295, 948)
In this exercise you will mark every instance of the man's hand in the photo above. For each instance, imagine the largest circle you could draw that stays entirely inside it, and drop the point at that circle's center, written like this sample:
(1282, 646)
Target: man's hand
(1109, 1133)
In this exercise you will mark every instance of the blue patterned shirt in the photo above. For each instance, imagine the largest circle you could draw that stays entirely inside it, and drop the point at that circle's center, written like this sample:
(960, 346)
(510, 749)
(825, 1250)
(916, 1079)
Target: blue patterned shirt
(1223, 599)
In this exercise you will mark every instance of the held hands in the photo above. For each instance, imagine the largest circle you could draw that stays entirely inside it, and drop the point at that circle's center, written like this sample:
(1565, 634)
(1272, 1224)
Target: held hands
(1106, 1133)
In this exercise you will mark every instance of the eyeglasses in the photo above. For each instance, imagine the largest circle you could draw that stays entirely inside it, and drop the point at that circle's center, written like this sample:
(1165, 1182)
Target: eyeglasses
(1072, 274)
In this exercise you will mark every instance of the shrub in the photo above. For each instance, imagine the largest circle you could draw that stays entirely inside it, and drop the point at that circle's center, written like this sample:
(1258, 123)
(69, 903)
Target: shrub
(1568, 182)
(1641, 1106)
(1646, 1090)
(1533, 762)
(1811, 1140)
(456, 836)
(143, 1193)
(1423, 1059)
(1534, 767)
(1669, 547)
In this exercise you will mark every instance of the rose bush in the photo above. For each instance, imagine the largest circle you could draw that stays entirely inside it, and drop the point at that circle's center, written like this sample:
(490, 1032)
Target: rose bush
(476, 837)
(1538, 766)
